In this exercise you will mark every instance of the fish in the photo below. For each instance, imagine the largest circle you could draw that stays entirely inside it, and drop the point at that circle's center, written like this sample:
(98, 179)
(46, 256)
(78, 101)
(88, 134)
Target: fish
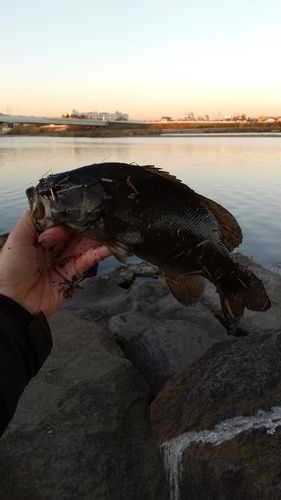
(148, 212)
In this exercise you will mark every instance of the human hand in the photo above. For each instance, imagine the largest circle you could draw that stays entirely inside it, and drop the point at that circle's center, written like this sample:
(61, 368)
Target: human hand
(41, 271)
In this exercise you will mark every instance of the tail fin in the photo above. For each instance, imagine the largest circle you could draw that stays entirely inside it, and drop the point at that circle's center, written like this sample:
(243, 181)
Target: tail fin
(250, 294)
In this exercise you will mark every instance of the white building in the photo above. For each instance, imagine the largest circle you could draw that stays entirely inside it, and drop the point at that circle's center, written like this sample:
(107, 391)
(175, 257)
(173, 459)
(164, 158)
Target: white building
(95, 115)
(189, 117)
(270, 120)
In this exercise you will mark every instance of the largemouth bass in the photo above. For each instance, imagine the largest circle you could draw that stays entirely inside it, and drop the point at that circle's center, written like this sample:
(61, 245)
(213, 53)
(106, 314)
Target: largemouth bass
(145, 211)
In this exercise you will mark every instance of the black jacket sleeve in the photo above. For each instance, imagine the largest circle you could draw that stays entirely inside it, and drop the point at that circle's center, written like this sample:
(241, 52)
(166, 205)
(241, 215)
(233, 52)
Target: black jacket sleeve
(25, 343)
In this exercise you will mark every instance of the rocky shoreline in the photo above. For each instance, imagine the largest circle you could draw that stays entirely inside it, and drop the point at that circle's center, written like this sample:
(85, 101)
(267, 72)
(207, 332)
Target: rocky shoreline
(134, 379)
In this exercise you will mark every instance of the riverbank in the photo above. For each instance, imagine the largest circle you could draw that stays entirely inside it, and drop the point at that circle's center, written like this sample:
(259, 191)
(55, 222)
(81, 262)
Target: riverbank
(127, 129)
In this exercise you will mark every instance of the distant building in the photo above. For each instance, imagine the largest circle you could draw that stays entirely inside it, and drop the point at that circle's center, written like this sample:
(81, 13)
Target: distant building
(166, 119)
(118, 116)
(200, 118)
(240, 118)
(94, 115)
(206, 118)
(189, 117)
(270, 120)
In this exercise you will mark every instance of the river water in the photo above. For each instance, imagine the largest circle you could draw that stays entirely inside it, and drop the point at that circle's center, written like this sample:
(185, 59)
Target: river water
(241, 173)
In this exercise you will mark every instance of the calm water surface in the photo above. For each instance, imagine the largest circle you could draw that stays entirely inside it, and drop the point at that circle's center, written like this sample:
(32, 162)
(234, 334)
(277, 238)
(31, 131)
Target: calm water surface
(241, 173)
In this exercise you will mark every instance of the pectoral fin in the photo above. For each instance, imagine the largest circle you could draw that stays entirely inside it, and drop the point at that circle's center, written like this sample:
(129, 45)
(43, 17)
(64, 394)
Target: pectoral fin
(119, 236)
(186, 288)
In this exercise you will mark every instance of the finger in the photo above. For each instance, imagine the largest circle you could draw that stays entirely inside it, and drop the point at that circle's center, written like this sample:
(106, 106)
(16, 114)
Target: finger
(77, 245)
(55, 237)
(71, 267)
(63, 240)
(90, 258)
(24, 232)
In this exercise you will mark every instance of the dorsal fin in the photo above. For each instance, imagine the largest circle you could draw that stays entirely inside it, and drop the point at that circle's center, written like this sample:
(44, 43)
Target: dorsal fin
(230, 231)
(161, 173)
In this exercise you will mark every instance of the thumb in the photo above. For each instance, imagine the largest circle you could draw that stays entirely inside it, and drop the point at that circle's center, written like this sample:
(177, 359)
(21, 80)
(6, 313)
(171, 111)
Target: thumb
(24, 232)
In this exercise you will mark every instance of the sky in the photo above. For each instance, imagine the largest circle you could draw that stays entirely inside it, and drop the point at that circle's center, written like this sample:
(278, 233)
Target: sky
(147, 58)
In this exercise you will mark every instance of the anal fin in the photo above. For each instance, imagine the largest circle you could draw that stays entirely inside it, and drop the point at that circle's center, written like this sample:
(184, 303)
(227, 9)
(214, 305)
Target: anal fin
(252, 295)
(186, 288)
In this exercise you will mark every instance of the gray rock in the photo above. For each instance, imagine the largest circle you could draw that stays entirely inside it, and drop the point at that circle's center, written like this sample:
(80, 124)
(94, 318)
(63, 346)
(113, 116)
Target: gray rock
(130, 310)
(3, 239)
(146, 302)
(218, 423)
(165, 348)
(127, 326)
(125, 275)
(96, 293)
(82, 427)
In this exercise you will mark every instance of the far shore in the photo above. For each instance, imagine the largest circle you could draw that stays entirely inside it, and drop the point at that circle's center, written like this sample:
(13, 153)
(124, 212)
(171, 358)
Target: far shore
(150, 129)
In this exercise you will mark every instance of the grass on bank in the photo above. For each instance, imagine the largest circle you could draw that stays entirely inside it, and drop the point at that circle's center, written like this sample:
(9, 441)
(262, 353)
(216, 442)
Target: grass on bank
(118, 129)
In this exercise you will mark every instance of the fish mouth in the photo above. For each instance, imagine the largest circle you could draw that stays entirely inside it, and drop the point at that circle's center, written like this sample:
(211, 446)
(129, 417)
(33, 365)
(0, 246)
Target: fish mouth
(40, 208)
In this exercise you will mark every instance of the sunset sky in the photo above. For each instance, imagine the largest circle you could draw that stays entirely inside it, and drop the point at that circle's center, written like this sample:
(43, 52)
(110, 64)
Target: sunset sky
(147, 58)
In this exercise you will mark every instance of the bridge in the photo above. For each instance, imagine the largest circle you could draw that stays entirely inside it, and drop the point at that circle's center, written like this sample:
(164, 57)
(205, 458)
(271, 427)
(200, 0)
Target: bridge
(51, 121)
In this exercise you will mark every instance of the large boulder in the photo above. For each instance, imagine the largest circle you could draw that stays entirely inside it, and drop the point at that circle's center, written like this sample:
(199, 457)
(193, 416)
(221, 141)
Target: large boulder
(133, 297)
(218, 423)
(82, 428)
(165, 348)
(129, 311)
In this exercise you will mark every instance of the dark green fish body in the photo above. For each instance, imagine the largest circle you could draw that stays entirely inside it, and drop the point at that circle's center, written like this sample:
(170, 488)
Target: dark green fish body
(143, 211)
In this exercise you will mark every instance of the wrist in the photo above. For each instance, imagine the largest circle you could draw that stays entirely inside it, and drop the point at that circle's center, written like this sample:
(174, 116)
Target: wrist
(8, 304)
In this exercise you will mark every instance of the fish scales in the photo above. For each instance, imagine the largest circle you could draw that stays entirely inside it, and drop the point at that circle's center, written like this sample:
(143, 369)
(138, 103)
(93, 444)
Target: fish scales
(144, 211)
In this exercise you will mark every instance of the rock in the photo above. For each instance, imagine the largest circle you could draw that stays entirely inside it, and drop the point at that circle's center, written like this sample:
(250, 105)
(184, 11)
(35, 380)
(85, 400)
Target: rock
(127, 326)
(125, 275)
(146, 302)
(129, 310)
(95, 294)
(82, 427)
(3, 239)
(218, 423)
(165, 348)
